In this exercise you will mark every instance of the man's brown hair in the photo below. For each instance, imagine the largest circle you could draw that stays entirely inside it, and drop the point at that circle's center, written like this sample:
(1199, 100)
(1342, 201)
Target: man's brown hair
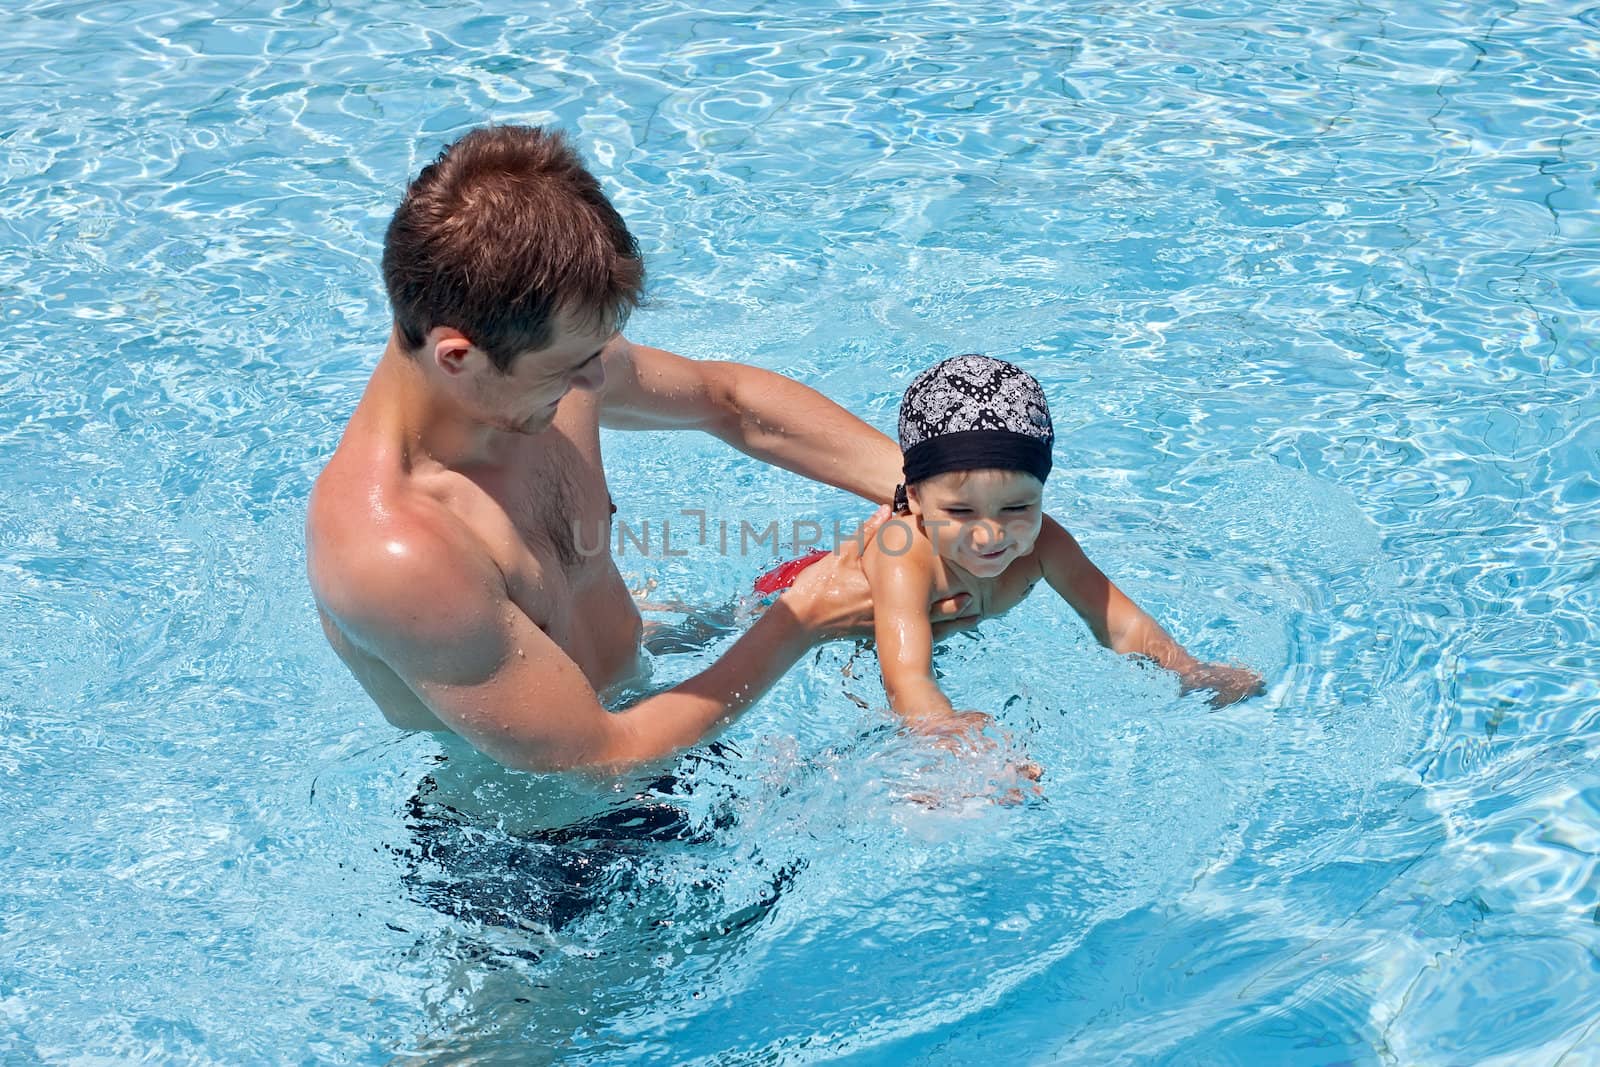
(502, 234)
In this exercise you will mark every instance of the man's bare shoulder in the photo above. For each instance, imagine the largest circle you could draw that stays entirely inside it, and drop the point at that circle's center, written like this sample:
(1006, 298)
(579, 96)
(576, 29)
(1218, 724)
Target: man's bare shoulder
(650, 389)
(386, 559)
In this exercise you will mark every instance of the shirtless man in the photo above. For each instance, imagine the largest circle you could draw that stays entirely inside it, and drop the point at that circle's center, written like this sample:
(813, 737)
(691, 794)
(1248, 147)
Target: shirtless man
(440, 537)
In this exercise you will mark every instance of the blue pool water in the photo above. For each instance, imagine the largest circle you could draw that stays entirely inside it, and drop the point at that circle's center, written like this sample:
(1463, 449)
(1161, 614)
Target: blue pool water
(1313, 289)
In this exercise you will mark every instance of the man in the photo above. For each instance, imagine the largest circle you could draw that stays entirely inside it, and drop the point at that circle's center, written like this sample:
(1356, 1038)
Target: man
(440, 537)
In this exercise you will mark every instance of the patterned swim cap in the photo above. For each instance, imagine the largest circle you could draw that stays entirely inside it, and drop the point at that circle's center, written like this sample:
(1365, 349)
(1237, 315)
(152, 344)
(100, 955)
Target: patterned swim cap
(974, 412)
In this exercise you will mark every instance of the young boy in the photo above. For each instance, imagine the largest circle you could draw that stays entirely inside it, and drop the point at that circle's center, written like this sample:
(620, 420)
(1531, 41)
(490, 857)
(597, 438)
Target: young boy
(976, 437)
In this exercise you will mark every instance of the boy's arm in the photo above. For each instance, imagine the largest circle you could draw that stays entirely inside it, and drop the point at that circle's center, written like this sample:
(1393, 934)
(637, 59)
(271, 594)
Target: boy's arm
(901, 585)
(1120, 624)
(1117, 622)
(763, 414)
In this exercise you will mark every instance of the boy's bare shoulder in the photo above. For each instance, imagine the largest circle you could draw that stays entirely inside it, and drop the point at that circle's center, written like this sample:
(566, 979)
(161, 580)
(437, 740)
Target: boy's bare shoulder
(898, 547)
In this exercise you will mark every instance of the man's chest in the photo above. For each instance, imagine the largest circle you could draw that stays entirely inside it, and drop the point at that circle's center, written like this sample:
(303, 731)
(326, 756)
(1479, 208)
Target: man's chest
(555, 554)
(559, 509)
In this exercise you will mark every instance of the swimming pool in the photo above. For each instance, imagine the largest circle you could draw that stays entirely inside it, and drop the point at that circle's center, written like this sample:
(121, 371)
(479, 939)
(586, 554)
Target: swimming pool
(1312, 288)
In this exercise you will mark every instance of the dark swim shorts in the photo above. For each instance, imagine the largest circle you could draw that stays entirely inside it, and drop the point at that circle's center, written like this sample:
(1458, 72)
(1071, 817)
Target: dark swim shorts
(471, 869)
(468, 870)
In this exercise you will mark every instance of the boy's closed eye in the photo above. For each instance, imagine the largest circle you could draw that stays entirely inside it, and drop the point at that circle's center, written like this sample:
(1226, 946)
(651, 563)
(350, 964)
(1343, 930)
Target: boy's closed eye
(1009, 509)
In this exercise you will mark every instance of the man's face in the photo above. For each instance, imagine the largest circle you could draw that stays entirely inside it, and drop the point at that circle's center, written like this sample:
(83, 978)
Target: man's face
(524, 399)
(982, 521)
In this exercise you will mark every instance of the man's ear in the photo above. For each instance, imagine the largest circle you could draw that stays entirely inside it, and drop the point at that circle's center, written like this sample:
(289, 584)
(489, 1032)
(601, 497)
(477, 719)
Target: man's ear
(450, 349)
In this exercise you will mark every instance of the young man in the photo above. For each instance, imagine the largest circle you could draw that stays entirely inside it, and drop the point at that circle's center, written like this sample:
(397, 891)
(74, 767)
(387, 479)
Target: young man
(440, 537)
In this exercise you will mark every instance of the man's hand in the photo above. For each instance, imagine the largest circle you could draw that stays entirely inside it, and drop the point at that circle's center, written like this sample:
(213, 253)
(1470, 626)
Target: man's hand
(831, 597)
(1228, 684)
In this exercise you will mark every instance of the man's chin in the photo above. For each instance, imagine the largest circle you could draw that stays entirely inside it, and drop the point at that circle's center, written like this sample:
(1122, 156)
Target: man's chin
(531, 427)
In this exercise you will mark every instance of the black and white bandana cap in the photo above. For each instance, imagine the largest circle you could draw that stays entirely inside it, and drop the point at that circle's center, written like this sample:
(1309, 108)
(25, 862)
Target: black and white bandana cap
(974, 412)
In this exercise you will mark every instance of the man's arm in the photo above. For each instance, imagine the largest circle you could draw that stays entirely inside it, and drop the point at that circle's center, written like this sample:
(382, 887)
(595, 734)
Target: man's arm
(1119, 624)
(763, 414)
(435, 609)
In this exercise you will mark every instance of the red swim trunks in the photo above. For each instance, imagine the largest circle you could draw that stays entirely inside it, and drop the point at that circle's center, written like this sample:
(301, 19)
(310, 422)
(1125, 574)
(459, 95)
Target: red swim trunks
(783, 575)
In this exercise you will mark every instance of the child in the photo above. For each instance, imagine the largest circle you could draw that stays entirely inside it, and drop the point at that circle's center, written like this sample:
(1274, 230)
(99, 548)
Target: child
(977, 439)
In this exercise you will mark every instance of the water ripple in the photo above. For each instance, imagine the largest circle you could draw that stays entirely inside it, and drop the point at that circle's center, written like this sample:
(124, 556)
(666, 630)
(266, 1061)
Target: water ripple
(1313, 290)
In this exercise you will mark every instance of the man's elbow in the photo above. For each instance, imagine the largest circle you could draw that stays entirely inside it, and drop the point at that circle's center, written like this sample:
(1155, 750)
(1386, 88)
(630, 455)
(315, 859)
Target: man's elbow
(531, 752)
(626, 745)
(737, 403)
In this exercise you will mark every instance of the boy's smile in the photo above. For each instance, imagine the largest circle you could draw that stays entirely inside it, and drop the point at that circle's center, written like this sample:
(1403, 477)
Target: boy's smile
(982, 521)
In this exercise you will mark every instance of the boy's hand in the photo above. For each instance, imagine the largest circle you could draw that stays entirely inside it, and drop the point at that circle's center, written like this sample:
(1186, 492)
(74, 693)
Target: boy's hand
(955, 730)
(965, 732)
(1228, 684)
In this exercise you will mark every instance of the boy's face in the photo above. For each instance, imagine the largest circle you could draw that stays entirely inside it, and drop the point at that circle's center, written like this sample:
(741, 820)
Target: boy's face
(982, 521)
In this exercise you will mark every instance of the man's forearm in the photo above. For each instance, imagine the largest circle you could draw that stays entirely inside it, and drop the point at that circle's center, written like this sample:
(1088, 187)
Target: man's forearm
(692, 710)
(793, 426)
